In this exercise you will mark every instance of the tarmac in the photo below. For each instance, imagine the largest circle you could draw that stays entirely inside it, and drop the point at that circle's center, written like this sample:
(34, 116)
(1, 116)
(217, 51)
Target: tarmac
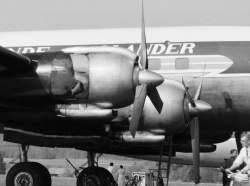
(56, 181)
(60, 181)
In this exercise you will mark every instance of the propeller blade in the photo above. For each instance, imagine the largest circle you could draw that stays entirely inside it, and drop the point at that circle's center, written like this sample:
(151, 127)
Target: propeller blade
(140, 96)
(197, 107)
(144, 55)
(195, 142)
(198, 93)
(188, 95)
(155, 99)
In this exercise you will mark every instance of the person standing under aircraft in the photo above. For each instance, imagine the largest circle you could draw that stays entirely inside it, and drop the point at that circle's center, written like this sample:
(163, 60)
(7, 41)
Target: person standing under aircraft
(111, 169)
(244, 155)
(229, 161)
(121, 176)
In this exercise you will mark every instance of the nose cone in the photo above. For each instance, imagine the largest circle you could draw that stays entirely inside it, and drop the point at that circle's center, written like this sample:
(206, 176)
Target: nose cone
(200, 108)
(150, 78)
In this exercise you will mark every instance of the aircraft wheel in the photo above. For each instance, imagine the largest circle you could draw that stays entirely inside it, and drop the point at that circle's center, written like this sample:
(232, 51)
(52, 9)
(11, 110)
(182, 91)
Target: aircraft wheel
(46, 178)
(95, 176)
(109, 177)
(24, 174)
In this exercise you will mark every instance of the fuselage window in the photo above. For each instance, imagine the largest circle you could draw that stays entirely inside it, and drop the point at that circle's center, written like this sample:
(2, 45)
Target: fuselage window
(182, 63)
(154, 64)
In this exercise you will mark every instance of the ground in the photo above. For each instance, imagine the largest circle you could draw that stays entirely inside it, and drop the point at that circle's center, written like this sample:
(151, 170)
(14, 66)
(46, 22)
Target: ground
(72, 181)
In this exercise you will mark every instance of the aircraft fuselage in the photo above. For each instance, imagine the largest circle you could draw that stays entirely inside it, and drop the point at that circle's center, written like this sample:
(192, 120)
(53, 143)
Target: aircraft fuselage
(222, 60)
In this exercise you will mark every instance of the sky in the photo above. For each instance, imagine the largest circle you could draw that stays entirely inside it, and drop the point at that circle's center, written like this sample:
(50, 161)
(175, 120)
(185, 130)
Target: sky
(21, 15)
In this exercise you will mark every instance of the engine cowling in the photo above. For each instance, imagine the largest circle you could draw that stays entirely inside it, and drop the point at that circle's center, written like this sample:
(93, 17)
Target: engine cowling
(111, 80)
(174, 115)
(102, 76)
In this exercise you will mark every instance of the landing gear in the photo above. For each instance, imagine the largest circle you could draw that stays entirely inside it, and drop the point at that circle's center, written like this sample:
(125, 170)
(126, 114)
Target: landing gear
(24, 174)
(28, 173)
(46, 178)
(25, 149)
(94, 175)
(91, 159)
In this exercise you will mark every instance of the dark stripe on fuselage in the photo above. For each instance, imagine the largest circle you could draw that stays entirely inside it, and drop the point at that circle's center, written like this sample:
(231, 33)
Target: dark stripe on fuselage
(237, 51)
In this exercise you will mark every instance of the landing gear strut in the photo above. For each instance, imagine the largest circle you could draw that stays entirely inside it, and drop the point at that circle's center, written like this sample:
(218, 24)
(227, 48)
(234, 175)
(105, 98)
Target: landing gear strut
(25, 149)
(91, 159)
(28, 173)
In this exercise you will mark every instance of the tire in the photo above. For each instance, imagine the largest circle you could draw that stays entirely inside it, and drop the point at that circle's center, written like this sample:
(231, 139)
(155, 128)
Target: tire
(25, 174)
(96, 176)
(109, 177)
(45, 175)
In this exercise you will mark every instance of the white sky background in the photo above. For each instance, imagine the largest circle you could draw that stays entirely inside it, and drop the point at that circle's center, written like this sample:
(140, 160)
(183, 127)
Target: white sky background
(18, 15)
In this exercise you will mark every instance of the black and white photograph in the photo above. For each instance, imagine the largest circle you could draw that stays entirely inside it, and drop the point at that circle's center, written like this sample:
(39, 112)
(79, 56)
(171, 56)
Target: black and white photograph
(124, 92)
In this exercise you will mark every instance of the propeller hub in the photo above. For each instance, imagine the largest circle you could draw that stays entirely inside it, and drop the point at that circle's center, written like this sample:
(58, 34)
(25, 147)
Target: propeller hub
(151, 79)
(200, 108)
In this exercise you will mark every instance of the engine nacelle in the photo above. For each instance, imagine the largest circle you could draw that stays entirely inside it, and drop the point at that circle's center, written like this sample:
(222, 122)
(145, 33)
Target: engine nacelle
(174, 114)
(111, 80)
(101, 76)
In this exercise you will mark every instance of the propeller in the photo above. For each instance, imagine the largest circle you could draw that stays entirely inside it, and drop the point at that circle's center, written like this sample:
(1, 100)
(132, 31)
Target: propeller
(146, 82)
(196, 107)
(195, 142)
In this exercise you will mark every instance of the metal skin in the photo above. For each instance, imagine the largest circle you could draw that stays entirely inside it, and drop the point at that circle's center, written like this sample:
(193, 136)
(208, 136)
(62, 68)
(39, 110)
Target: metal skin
(88, 129)
(97, 78)
(173, 117)
(130, 148)
(88, 114)
(22, 92)
(149, 78)
(141, 138)
(109, 82)
(44, 71)
(108, 73)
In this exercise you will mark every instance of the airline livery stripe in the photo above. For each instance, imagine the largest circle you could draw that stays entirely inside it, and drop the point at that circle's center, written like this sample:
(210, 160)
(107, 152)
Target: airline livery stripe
(188, 71)
(198, 63)
(188, 56)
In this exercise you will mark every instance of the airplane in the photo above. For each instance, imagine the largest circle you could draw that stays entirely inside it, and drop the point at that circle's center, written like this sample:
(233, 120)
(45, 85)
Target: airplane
(108, 91)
